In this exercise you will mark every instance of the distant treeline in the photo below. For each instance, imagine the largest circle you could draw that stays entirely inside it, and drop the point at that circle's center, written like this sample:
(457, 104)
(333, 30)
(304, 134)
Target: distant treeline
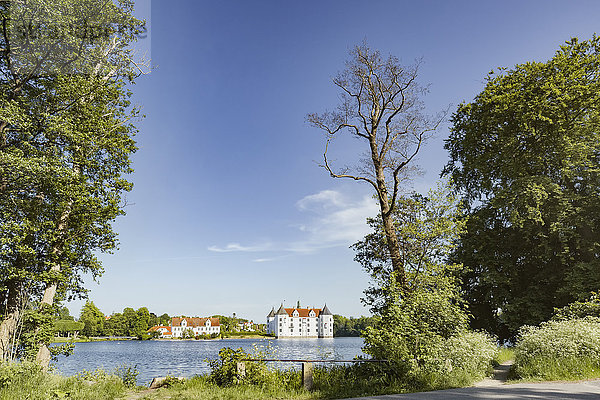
(92, 322)
(343, 326)
(130, 322)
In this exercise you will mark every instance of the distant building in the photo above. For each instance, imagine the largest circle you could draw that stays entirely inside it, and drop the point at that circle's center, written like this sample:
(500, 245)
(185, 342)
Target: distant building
(300, 322)
(246, 326)
(198, 326)
(165, 331)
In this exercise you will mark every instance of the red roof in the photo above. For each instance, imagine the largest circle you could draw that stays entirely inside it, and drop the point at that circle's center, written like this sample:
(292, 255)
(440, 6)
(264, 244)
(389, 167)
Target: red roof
(157, 327)
(193, 322)
(303, 312)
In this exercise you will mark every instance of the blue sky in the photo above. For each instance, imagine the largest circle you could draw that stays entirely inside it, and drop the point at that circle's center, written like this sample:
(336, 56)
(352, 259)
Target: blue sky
(230, 212)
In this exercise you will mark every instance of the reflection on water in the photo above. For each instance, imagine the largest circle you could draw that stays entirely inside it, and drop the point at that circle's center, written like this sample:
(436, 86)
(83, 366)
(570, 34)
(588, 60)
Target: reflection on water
(186, 358)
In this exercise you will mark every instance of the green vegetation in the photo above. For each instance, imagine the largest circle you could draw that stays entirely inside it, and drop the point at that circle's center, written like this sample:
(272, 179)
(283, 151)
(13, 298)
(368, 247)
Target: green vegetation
(524, 153)
(343, 326)
(422, 330)
(26, 380)
(67, 138)
(130, 322)
(568, 349)
(504, 354)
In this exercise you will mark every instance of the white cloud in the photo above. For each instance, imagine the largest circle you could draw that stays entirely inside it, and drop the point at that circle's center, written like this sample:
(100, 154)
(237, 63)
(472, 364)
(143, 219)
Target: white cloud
(332, 219)
(232, 247)
(338, 219)
(324, 199)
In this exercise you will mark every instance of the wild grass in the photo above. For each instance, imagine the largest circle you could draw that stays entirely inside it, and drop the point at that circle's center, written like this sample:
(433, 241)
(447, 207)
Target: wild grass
(27, 381)
(503, 355)
(559, 350)
(329, 383)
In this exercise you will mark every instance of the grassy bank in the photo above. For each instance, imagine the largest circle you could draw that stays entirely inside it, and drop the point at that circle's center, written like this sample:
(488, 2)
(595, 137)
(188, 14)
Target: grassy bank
(27, 381)
(84, 339)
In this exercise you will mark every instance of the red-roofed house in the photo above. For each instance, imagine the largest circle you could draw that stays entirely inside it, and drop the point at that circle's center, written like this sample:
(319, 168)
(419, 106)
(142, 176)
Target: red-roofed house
(300, 322)
(198, 326)
(165, 331)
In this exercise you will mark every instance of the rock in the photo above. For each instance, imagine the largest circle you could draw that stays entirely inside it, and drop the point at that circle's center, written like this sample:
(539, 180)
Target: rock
(165, 381)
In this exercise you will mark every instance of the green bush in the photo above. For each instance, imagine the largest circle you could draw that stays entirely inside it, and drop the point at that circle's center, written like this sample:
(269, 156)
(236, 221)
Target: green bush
(128, 374)
(424, 335)
(579, 309)
(224, 369)
(567, 349)
(457, 361)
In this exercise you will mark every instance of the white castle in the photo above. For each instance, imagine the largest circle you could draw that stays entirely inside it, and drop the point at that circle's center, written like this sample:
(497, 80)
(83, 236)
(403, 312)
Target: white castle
(300, 322)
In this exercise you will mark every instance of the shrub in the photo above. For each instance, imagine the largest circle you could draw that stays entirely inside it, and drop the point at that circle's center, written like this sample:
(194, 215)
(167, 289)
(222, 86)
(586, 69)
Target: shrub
(424, 335)
(128, 374)
(579, 309)
(455, 362)
(567, 349)
(224, 369)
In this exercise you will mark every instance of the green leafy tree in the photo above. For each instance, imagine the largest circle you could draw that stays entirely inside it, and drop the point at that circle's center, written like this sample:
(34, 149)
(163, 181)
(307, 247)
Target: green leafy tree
(141, 324)
(65, 141)
(165, 320)
(381, 106)
(129, 321)
(525, 155)
(426, 228)
(68, 327)
(93, 319)
(115, 325)
(352, 327)
(409, 326)
(62, 313)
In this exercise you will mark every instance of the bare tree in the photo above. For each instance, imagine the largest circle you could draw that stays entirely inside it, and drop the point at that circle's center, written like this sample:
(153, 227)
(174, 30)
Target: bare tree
(381, 105)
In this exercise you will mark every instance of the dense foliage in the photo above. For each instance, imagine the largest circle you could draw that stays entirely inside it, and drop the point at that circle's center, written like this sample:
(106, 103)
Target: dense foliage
(579, 309)
(66, 136)
(133, 323)
(422, 332)
(343, 326)
(566, 349)
(525, 155)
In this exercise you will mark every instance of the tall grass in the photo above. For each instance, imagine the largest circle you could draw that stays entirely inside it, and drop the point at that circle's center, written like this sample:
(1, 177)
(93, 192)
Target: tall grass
(27, 381)
(503, 355)
(559, 350)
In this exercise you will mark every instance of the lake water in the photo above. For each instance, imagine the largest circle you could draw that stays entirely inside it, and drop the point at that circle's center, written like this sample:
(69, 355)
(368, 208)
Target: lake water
(189, 357)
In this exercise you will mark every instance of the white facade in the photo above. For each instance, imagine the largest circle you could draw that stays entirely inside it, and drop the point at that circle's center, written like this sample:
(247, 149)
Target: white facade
(197, 326)
(300, 322)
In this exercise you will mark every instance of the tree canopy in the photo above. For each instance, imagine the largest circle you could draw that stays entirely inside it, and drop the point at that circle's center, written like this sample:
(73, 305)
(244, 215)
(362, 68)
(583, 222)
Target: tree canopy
(66, 135)
(525, 154)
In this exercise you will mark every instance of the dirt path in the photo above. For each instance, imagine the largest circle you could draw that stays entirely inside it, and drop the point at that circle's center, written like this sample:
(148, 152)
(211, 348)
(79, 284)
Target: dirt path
(499, 377)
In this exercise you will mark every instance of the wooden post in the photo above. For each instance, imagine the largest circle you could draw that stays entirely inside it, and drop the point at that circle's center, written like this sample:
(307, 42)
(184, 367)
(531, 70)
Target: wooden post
(241, 370)
(307, 375)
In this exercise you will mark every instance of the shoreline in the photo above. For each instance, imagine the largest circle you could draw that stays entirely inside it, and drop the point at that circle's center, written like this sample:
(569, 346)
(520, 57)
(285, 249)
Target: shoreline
(60, 340)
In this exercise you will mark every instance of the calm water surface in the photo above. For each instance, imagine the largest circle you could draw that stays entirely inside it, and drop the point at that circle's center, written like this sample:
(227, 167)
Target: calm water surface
(186, 358)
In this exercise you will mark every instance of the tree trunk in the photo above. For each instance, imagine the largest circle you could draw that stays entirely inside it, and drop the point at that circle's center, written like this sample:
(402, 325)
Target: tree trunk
(394, 249)
(388, 221)
(10, 322)
(43, 356)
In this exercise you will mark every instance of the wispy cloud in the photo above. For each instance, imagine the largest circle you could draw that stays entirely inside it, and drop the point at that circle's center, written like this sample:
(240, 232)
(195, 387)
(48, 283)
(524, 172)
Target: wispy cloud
(332, 219)
(337, 220)
(233, 247)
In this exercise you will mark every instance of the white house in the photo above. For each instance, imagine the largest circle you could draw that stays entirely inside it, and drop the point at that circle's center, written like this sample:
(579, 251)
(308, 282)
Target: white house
(197, 326)
(165, 331)
(300, 322)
